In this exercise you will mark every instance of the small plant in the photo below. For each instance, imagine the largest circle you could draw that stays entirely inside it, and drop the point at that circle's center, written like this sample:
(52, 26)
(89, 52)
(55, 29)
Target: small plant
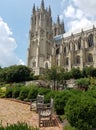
(18, 126)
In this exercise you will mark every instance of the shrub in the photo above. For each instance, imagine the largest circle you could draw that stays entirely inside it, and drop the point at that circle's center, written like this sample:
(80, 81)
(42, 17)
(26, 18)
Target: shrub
(24, 92)
(60, 101)
(43, 91)
(2, 92)
(81, 111)
(68, 127)
(33, 92)
(18, 126)
(49, 95)
(9, 91)
(16, 92)
(83, 83)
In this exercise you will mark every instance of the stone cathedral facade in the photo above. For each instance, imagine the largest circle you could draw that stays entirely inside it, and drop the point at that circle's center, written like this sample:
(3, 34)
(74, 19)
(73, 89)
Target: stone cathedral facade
(49, 45)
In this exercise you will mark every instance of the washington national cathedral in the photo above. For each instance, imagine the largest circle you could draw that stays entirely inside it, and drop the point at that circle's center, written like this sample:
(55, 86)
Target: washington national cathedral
(49, 45)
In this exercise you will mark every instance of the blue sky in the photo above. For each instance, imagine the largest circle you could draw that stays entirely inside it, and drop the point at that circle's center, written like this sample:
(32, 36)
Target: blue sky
(15, 22)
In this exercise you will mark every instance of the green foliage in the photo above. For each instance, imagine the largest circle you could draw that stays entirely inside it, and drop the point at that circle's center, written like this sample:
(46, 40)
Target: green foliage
(18, 126)
(24, 92)
(83, 83)
(76, 73)
(33, 92)
(49, 95)
(43, 91)
(60, 101)
(89, 71)
(52, 74)
(9, 91)
(81, 111)
(67, 75)
(16, 92)
(69, 127)
(2, 92)
(15, 74)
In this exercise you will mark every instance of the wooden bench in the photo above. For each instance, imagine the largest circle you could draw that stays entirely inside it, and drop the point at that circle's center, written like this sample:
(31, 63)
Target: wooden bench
(36, 104)
(45, 113)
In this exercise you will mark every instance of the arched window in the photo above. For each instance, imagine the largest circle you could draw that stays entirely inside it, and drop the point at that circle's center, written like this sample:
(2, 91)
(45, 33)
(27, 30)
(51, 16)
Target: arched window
(67, 61)
(57, 51)
(74, 47)
(78, 59)
(79, 43)
(46, 65)
(64, 49)
(90, 58)
(34, 64)
(90, 40)
(69, 46)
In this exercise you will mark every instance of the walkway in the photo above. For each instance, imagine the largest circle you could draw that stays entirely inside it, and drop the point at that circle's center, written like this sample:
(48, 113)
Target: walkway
(12, 112)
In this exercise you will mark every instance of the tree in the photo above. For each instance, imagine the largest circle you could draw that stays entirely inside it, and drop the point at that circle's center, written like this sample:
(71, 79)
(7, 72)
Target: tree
(89, 71)
(16, 73)
(52, 74)
(76, 73)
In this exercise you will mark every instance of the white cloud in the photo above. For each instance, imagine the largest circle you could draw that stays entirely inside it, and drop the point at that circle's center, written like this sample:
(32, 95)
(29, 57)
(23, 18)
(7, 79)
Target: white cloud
(79, 24)
(7, 46)
(70, 11)
(79, 14)
(88, 6)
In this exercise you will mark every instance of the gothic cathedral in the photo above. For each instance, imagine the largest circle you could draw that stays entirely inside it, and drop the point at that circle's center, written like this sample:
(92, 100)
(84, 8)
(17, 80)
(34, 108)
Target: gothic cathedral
(49, 44)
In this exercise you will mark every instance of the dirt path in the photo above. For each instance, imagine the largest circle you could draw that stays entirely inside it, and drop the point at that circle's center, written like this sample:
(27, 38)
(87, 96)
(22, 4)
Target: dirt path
(12, 112)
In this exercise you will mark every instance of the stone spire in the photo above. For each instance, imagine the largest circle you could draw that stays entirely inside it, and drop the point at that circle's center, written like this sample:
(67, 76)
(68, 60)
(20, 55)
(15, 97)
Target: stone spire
(33, 8)
(42, 4)
(49, 10)
(58, 19)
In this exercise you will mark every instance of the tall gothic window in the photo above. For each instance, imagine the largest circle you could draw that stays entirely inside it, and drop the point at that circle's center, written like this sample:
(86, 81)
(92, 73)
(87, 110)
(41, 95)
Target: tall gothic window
(57, 51)
(64, 49)
(67, 61)
(79, 43)
(90, 58)
(90, 40)
(74, 47)
(69, 46)
(46, 65)
(78, 59)
(34, 64)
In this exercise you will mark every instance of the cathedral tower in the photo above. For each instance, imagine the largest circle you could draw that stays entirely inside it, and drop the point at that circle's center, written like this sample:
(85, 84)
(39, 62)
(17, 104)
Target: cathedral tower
(58, 27)
(40, 39)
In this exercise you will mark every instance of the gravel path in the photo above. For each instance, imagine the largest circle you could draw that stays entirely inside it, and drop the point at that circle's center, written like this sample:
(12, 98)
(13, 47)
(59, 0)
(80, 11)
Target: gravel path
(12, 112)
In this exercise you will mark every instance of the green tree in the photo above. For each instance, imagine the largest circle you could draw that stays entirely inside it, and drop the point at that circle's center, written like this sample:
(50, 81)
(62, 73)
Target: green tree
(52, 74)
(76, 73)
(16, 73)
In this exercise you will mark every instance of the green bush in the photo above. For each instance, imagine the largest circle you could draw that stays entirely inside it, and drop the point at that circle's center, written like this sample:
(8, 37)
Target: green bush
(68, 127)
(49, 95)
(33, 92)
(9, 91)
(2, 92)
(81, 112)
(18, 126)
(16, 92)
(43, 91)
(83, 83)
(60, 101)
(24, 93)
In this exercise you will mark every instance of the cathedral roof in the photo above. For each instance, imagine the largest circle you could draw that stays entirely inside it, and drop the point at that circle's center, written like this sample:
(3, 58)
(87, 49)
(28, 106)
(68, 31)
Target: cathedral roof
(78, 31)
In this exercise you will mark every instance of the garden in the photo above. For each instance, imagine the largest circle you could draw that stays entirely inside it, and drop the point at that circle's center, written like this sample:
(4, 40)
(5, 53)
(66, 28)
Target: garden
(76, 105)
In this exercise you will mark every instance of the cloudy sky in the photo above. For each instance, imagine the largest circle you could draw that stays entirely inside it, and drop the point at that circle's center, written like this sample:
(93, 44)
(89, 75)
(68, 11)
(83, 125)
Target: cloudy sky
(15, 22)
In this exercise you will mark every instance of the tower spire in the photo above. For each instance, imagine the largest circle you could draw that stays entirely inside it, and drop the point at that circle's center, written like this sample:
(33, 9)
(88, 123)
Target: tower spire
(42, 4)
(33, 8)
(58, 19)
(49, 10)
